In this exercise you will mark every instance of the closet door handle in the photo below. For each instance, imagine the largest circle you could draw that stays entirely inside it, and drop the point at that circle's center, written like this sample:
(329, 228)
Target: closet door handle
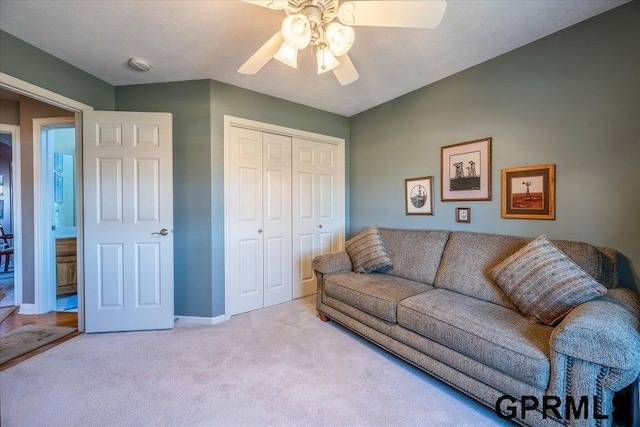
(260, 230)
(320, 226)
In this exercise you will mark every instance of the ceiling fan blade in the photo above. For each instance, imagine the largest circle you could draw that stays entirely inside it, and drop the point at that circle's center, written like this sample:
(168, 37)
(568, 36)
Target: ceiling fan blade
(346, 72)
(269, 4)
(262, 55)
(393, 13)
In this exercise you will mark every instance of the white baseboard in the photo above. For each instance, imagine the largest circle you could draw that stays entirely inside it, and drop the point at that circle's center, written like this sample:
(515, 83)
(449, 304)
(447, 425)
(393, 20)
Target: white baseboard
(27, 309)
(200, 320)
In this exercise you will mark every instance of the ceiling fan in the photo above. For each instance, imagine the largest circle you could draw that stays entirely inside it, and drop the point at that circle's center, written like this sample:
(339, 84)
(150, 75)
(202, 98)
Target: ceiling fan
(313, 23)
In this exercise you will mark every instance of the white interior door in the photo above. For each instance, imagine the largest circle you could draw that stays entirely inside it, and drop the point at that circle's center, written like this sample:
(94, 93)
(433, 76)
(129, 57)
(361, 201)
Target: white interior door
(277, 218)
(128, 218)
(244, 222)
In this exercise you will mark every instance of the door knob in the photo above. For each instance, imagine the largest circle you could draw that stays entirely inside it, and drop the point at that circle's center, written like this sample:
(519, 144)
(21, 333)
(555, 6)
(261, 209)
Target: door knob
(320, 226)
(163, 232)
(260, 230)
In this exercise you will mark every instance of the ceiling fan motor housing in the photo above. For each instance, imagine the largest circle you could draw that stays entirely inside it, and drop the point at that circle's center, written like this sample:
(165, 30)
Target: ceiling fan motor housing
(328, 9)
(318, 12)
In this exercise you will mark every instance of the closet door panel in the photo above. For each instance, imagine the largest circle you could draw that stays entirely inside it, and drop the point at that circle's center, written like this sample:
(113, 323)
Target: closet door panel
(305, 215)
(277, 219)
(330, 211)
(307, 244)
(245, 241)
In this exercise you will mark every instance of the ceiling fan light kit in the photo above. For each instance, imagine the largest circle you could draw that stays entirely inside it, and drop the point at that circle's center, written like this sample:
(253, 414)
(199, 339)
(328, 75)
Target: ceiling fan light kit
(311, 23)
(326, 60)
(296, 30)
(287, 54)
(340, 38)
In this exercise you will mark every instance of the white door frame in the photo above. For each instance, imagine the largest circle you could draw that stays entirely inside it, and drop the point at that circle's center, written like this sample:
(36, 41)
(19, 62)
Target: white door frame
(28, 89)
(44, 276)
(230, 121)
(16, 209)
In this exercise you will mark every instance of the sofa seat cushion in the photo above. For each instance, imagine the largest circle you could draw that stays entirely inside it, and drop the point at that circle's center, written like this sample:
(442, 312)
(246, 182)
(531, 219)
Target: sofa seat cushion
(376, 294)
(496, 336)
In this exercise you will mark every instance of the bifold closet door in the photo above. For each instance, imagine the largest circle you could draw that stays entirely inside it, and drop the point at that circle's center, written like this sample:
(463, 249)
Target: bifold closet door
(316, 208)
(260, 219)
(277, 218)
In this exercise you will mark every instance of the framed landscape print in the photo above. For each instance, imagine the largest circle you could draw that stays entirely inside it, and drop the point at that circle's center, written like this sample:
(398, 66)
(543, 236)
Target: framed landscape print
(466, 171)
(529, 192)
(418, 194)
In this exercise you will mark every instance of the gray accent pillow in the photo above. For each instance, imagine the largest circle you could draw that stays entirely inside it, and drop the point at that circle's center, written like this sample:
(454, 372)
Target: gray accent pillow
(367, 252)
(543, 282)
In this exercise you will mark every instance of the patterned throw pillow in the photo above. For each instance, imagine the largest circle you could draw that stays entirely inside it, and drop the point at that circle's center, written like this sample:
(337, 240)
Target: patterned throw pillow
(367, 252)
(543, 282)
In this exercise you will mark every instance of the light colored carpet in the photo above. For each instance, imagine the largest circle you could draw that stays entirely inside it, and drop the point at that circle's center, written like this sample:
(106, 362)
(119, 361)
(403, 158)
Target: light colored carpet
(27, 338)
(276, 366)
(6, 312)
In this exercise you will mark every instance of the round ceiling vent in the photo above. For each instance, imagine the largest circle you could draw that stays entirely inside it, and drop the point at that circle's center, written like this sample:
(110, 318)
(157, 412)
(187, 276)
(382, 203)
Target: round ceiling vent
(139, 64)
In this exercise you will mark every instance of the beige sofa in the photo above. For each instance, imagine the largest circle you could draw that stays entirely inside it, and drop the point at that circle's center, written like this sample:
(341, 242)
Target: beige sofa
(439, 310)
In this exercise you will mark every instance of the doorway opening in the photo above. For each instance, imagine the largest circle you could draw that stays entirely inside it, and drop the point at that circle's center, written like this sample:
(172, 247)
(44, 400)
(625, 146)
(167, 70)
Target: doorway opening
(55, 214)
(34, 101)
(59, 179)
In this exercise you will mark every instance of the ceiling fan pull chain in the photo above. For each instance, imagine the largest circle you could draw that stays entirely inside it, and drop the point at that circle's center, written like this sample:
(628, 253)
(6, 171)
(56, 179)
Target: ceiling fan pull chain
(322, 45)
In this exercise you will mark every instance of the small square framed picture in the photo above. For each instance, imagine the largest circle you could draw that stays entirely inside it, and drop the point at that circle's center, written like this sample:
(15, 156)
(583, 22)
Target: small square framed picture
(463, 214)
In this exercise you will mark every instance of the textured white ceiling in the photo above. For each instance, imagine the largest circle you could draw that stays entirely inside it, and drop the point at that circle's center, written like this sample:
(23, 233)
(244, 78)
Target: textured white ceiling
(186, 40)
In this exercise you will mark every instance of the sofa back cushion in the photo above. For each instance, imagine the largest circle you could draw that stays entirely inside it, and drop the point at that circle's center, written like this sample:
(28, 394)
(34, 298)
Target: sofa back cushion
(415, 254)
(469, 257)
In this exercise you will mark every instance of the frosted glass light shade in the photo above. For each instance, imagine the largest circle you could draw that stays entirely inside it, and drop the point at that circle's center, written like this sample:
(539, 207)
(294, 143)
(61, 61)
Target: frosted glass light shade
(340, 38)
(326, 60)
(287, 54)
(296, 30)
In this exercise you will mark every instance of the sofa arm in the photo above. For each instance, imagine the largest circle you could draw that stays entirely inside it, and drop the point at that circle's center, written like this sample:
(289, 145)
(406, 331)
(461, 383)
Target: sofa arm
(336, 262)
(605, 331)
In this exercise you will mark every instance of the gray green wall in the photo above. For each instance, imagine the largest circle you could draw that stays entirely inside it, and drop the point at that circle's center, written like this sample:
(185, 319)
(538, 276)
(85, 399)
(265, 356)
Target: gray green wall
(572, 98)
(191, 109)
(26, 62)
(198, 109)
